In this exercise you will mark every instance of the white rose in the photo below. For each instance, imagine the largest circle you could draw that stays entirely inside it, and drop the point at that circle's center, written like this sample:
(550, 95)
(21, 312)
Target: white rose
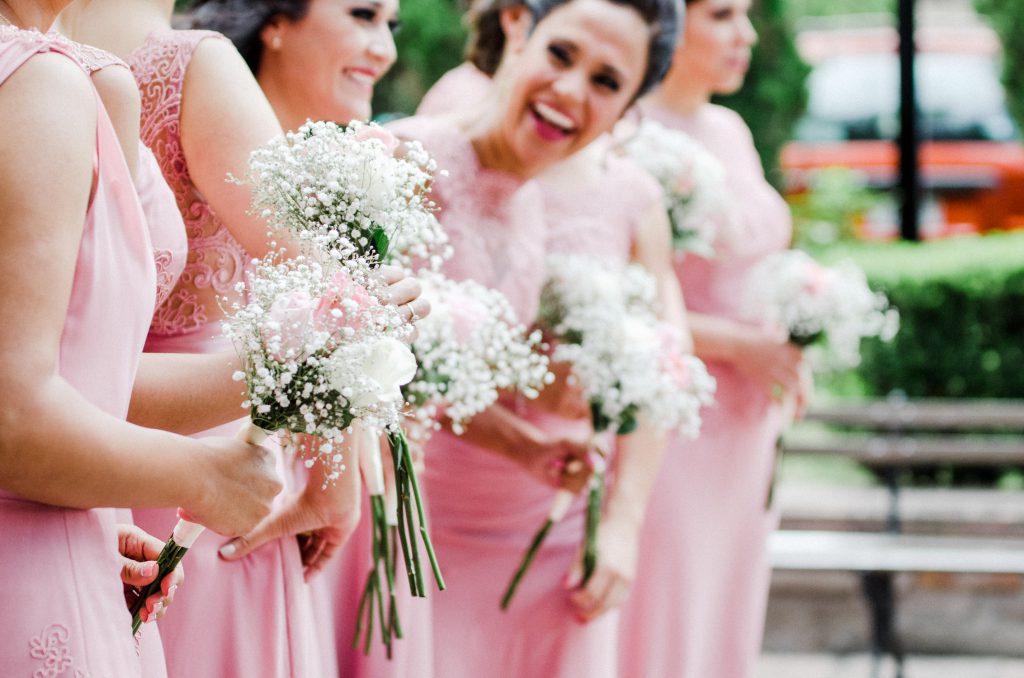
(385, 366)
(639, 332)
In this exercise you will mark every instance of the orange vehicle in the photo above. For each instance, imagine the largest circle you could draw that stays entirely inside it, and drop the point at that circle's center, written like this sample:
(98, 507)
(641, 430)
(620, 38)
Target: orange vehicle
(972, 161)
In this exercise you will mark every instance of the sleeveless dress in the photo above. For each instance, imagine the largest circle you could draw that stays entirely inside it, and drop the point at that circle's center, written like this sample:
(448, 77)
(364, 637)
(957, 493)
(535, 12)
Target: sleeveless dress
(698, 604)
(250, 618)
(170, 248)
(63, 604)
(484, 509)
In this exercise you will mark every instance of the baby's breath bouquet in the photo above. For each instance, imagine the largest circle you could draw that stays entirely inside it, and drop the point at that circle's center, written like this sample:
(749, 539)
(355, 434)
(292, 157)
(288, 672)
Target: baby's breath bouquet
(827, 310)
(627, 363)
(693, 183)
(343, 192)
(470, 348)
(319, 352)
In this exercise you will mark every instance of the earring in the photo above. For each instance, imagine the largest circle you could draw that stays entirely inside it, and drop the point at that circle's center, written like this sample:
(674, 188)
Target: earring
(275, 42)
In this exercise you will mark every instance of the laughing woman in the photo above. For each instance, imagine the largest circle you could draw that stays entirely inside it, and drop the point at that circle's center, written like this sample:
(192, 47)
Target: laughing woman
(571, 70)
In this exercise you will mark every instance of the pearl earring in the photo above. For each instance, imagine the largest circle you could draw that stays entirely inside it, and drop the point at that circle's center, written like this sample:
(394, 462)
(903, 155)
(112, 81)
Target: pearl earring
(275, 42)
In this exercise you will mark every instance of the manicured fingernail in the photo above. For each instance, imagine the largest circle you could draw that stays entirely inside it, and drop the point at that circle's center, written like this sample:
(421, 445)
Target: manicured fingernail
(228, 549)
(170, 591)
(156, 608)
(149, 569)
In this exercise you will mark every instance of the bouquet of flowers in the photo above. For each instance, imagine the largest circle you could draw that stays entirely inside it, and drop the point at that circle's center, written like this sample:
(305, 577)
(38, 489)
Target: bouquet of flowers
(319, 352)
(343, 192)
(469, 349)
(828, 310)
(627, 363)
(346, 195)
(693, 183)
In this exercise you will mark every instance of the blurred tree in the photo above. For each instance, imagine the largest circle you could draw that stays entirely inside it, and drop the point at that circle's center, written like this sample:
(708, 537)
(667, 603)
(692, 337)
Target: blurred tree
(802, 8)
(1007, 17)
(774, 96)
(430, 42)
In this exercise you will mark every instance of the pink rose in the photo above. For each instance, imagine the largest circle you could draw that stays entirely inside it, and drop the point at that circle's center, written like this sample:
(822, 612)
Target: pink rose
(343, 305)
(292, 314)
(366, 132)
(673, 361)
(466, 312)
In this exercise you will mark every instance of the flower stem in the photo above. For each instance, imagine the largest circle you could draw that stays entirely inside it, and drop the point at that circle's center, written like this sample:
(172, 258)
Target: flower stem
(595, 499)
(524, 565)
(169, 557)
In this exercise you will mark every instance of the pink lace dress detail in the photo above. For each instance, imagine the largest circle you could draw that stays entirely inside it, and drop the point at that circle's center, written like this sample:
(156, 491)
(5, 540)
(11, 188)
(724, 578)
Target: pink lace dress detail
(166, 228)
(216, 261)
(63, 604)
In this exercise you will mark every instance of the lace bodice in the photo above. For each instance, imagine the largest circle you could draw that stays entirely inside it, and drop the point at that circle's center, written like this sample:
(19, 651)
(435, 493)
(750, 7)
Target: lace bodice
(600, 218)
(166, 228)
(495, 221)
(216, 261)
(761, 217)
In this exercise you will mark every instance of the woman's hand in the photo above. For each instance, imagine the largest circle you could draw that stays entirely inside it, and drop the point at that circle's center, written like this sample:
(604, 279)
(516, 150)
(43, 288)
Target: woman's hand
(770, 359)
(139, 551)
(242, 482)
(321, 518)
(609, 586)
(559, 460)
(404, 292)
(562, 397)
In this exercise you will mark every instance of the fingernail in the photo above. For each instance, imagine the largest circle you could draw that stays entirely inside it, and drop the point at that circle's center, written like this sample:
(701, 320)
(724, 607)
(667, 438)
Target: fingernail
(150, 569)
(170, 591)
(156, 608)
(228, 549)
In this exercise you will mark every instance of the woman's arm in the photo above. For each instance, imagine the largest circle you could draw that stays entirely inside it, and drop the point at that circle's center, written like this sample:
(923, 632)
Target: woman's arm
(55, 446)
(652, 249)
(224, 118)
(636, 465)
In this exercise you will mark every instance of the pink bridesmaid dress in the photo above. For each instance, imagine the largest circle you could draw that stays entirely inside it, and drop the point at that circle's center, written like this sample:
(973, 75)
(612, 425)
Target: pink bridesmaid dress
(170, 248)
(698, 604)
(483, 508)
(251, 618)
(63, 604)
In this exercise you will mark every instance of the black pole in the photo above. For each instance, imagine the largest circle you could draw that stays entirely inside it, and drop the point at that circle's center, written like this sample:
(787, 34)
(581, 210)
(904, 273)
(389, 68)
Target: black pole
(910, 185)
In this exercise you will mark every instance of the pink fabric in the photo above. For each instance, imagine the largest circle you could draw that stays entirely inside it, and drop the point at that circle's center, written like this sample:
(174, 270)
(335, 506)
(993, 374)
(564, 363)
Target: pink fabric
(216, 261)
(166, 228)
(462, 86)
(697, 607)
(484, 510)
(63, 604)
(252, 618)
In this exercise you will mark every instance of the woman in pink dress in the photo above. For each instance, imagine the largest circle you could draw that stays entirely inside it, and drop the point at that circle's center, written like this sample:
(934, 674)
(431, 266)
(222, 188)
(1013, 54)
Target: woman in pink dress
(598, 204)
(572, 69)
(698, 607)
(319, 60)
(79, 290)
(247, 611)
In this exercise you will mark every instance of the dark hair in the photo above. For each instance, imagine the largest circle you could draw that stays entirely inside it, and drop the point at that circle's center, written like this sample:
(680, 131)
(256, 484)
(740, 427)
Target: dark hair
(242, 21)
(487, 39)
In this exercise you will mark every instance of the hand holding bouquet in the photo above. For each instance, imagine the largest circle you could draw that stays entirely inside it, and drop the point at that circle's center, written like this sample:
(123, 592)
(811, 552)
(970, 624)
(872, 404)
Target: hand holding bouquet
(627, 363)
(827, 310)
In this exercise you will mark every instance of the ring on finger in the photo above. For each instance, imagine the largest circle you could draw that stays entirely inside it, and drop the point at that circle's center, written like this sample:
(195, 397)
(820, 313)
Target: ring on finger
(413, 316)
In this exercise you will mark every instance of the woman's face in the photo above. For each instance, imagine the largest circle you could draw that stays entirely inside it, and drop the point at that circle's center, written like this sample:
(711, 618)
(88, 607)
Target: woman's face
(715, 50)
(332, 57)
(570, 80)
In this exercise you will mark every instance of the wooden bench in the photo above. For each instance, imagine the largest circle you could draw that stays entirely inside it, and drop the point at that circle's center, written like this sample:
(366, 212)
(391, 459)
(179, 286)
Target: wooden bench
(891, 436)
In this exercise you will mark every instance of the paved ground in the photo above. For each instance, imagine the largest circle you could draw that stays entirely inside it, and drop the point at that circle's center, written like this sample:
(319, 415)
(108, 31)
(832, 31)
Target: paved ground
(778, 665)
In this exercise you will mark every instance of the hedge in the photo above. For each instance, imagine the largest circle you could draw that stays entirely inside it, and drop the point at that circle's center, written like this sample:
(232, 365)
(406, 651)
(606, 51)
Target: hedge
(961, 304)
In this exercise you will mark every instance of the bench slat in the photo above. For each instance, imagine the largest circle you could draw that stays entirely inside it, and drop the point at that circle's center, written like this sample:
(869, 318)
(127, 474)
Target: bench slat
(919, 414)
(872, 552)
(893, 450)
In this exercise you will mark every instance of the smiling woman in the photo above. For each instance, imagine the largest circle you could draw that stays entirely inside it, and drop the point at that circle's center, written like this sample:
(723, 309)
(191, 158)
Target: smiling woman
(314, 59)
(568, 71)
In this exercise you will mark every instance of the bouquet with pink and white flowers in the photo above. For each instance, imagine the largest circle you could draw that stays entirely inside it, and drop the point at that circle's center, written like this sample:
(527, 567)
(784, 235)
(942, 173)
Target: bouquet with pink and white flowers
(471, 348)
(828, 310)
(319, 353)
(628, 364)
(693, 183)
(345, 193)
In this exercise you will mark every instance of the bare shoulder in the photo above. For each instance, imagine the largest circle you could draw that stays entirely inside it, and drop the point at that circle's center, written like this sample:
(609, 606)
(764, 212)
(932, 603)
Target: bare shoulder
(727, 120)
(116, 86)
(50, 100)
